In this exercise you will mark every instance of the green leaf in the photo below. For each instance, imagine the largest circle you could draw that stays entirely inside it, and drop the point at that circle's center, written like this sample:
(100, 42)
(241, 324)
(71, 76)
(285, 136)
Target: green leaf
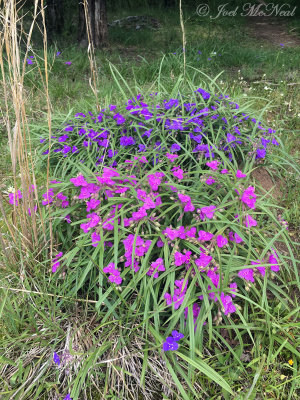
(206, 370)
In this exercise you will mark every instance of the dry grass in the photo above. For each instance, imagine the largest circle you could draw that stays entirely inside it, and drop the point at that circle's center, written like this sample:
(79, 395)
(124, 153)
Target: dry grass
(23, 229)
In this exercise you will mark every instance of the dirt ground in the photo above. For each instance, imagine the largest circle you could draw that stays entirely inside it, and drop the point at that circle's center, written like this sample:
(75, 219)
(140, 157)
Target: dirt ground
(262, 176)
(272, 30)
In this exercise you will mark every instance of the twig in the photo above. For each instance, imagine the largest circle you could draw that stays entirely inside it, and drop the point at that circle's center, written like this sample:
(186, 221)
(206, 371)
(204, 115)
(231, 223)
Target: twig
(48, 294)
(183, 36)
(277, 84)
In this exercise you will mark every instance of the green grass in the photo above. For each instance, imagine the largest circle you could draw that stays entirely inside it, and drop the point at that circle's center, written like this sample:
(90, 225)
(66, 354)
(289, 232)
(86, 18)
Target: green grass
(252, 355)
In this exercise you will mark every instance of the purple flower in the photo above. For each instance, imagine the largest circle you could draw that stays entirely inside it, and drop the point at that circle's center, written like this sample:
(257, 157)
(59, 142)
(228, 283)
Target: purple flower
(56, 358)
(260, 269)
(68, 397)
(79, 181)
(227, 303)
(80, 115)
(119, 118)
(48, 197)
(260, 153)
(127, 141)
(114, 276)
(66, 149)
(249, 197)
(177, 335)
(160, 243)
(155, 180)
(94, 220)
(109, 269)
(96, 238)
(207, 212)
(58, 53)
(176, 125)
(196, 138)
(92, 204)
(233, 287)
(240, 175)
(171, 103)
(221, 241)
(171, 234)
(175, 147)
(13, 197)
(249, 221)
(140, 214)
(205, 236)
(146, 113)
(63, 138)
(56, 262)
(68, 218)
(213, 164)
(203, 261)
(68, 62)
(179, 294)
(247, 274)
(234, 237)
(156, 266)
(177, 172)
(170, 344)
(210, 180)
(230, 138)
(179, 259)
(264, 142)
(203, 93)
(273, 260)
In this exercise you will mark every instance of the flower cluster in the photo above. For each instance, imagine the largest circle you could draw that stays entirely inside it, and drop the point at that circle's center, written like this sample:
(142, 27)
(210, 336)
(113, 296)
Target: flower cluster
(134, 196)
(56, 261)
(162, 201)
(171, 342)
(186, 123)
(114, 276)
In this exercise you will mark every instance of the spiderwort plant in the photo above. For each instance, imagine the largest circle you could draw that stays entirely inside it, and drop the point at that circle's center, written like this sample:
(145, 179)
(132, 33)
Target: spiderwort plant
(156, 207)
(171, 213)
(201, 123)
(137, 194)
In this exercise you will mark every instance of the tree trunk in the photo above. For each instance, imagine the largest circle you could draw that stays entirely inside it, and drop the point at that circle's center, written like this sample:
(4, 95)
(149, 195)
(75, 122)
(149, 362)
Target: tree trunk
(54, 18)
(81, 24)
(97, 23)
(101, 30)
(169, 3)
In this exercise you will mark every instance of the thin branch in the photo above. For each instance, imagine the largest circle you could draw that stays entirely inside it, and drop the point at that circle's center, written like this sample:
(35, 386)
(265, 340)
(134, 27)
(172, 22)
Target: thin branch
(183, 37)
(48, 294)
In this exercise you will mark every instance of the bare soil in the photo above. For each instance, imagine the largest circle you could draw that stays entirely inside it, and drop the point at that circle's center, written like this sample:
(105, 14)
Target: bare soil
(272, 30)
(262, 176)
